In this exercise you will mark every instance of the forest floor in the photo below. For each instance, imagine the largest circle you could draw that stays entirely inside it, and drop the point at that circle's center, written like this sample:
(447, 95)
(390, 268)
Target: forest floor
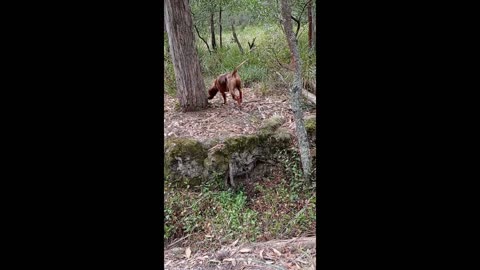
(268, 224)
(295, 253)
(223, 121)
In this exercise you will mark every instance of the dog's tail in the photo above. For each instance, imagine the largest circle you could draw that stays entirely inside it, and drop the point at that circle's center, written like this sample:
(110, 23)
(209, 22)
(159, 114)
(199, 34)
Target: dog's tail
(235, 70)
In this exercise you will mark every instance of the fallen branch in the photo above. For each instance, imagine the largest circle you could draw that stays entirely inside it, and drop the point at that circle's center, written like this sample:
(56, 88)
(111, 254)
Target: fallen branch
(310, 97)
(177, 241)
(250, 101)
(298, 242)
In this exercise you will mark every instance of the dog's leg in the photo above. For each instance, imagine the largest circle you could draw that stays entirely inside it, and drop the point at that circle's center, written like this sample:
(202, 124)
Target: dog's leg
(224, 98)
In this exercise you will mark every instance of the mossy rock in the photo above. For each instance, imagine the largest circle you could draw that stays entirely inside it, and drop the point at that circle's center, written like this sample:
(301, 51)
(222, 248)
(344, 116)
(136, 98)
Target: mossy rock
(184, 160)
(217, 160)
(242, 143)
(271, 124)
(282, 137)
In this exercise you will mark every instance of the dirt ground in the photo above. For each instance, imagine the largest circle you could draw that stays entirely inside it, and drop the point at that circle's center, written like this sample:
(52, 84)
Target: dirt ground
(223, 121)
(296, 253)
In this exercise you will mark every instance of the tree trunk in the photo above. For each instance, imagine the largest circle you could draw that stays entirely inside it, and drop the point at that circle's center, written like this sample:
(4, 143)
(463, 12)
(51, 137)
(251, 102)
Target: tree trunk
(236, 39)
(314, 28)
(212, 31)
(295, 92)
(220, 25)
(191, 91)
(309, 14)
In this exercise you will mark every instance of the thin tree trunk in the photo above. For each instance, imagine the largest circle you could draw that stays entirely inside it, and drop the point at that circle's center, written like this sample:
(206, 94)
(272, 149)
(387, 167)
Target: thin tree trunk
(314, 28)
(220, 25)
(204, 41)
(191, 91)
(309, 14)
(212, 31)
(236, 39)
(295, 92)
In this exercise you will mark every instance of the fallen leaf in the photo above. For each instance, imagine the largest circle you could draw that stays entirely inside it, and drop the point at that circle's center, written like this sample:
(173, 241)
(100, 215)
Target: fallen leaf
(298, 260)
(277, 252)
(261, 253)
(232, 260)
(245, 250)
(188, 252)
(234, 243)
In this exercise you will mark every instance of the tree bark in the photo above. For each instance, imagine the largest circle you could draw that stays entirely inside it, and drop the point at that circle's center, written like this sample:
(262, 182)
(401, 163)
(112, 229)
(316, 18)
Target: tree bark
(220, 26)
(295, 92)
(212, 31)
(314, 27)
(309, 14)
(191, 91)
(236, 39)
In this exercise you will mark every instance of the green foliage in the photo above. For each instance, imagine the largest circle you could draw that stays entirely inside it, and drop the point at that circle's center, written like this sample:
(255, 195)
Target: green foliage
(168, 73)
(269, 56)
(224, 212)
(283, 206)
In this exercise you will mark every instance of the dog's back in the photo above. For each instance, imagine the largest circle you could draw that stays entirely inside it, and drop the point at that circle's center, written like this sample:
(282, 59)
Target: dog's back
(228, 82)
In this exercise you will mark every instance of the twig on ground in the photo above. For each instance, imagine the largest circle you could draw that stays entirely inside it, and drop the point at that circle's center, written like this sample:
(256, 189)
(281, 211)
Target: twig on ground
(177, 241)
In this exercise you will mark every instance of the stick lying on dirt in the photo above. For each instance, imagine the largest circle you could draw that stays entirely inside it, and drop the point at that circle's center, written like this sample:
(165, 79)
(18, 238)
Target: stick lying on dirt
(308, 242)
(177, 241)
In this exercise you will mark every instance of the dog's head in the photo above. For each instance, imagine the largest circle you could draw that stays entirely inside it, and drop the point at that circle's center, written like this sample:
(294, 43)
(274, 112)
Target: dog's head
(212, 91)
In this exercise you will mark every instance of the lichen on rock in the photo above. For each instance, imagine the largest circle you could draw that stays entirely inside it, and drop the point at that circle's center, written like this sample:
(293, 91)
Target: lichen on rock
(184, 161)
(190, 162)
(271, 124)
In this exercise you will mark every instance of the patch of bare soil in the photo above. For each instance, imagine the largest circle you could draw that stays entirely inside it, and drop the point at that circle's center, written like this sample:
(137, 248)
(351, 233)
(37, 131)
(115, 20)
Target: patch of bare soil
(223, 121)
(296, 253)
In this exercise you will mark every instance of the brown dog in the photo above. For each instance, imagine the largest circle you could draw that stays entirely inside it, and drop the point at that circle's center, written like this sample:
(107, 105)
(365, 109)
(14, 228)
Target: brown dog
(228, 82)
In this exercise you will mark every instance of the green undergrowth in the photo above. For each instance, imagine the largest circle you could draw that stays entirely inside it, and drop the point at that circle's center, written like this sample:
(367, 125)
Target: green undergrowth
(269, 56)
(279, 206)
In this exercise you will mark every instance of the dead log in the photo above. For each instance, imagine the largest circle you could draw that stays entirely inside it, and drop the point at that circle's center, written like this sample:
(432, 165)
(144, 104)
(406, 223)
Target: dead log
(311, 97)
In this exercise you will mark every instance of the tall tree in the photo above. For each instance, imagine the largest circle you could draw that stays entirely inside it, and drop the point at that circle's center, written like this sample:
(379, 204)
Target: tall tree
(220, 25)
(309, 14)
(314, 28)
(295, 92)
(190, 86)
(212, 30)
